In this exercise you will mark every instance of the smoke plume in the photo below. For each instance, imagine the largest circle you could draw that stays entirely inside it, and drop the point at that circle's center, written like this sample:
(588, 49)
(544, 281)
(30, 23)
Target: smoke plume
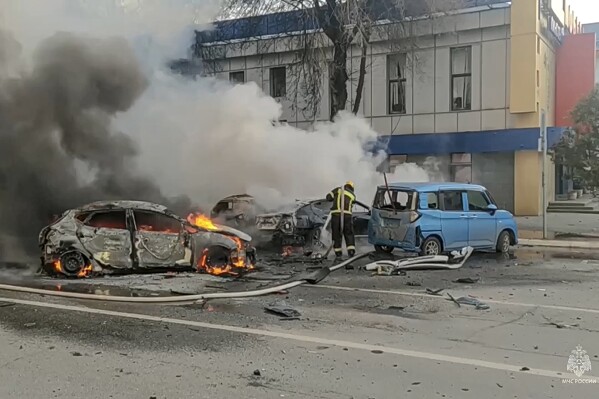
(88, 111)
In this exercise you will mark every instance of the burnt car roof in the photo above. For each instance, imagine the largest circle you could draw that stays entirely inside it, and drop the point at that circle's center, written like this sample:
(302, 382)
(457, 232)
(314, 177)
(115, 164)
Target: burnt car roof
(238, 197)
(139, 205)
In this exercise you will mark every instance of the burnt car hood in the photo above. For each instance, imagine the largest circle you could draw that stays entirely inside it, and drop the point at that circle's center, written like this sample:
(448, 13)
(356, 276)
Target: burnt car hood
(232, 232)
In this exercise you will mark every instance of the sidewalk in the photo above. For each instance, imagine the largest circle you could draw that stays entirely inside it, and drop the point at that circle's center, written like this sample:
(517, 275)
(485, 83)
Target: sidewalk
(564, 230)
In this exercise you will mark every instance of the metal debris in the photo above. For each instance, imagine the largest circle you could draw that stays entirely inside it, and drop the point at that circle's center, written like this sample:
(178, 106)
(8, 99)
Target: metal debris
(559, 325)
(283, 311)
(466, 300)
(455, 261)
(466, 280)
(436, 292)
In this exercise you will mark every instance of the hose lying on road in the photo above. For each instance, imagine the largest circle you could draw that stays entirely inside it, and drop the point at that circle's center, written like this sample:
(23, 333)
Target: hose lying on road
(313, 278)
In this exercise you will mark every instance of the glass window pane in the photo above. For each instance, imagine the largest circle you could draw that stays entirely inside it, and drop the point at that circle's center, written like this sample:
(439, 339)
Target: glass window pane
(396, 65)
(108, 220)
(461, 158)
(461, 174)
(433, 200)
(462, 92)
(237, 77)
(477, 201)
(397, 96)
(461, 61)
(452, 201)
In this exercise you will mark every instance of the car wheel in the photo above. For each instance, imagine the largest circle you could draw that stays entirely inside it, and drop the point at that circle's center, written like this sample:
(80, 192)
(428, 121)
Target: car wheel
(431, 246)
(217, 257)
(503, 242)
(72, 263)
(384, 249)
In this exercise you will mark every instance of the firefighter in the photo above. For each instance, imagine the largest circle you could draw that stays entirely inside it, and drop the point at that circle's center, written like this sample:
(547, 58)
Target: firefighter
(341, 218)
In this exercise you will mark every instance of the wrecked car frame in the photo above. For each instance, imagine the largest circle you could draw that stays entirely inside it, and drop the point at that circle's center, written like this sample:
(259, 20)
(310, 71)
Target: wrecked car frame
(123, 236)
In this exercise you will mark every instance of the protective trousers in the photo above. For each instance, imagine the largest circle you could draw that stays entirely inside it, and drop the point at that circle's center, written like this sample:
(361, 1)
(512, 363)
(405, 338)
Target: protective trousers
(348, 233)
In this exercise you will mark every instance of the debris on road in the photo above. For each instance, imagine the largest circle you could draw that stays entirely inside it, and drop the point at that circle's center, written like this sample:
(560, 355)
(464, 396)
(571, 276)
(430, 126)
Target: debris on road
(467, 300)
(559, 325)
(413, 284)
(283, 311)
(436, 292)
(466, 280)
(257, 373)
(454, 261)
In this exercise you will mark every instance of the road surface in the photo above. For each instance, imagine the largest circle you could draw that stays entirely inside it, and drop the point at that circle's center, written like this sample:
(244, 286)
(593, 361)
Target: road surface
(359, 336)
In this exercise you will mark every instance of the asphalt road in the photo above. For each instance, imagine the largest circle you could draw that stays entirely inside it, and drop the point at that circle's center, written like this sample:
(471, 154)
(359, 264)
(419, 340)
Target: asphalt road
(359, 336)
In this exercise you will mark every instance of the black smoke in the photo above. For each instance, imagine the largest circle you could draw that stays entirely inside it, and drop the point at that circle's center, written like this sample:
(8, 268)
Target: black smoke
(56, 117)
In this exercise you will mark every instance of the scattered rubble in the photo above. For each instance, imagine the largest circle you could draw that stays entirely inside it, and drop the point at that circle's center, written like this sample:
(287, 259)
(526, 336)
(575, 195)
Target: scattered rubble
(467, 280)
(436, 292)
(454, 261)
(467, 300)
(559, 325)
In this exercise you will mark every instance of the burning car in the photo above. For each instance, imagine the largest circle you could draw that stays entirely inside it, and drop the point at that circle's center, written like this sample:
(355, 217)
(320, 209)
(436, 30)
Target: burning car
(236, 210)
(124, 236)
(302, 224)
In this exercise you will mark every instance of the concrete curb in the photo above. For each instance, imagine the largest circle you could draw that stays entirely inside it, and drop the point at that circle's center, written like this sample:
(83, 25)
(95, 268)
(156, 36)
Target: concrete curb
(559, 243)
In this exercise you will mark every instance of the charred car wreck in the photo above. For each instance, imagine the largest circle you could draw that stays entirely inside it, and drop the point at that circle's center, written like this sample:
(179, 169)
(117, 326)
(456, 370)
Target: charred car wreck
(302, 224)
(125, 236)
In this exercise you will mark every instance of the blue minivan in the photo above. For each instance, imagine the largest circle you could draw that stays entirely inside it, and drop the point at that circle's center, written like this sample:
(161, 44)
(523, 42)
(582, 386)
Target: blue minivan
(432, 218)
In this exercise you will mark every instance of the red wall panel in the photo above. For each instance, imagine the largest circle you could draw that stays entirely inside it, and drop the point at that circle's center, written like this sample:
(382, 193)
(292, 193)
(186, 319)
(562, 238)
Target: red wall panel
(575, 74)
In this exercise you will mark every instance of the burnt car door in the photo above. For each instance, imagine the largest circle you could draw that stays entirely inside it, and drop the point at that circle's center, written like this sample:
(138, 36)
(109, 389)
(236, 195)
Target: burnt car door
(160, 240)
(107, 237)
(361, 216)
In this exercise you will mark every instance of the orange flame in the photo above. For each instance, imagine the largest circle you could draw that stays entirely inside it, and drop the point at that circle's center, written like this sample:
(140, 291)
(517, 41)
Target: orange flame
(202, 221)
(85, 272)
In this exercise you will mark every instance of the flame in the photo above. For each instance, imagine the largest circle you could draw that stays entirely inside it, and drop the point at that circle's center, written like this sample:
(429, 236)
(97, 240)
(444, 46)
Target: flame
(85, 272)
(215, 270)
(202, 221)
(58, 267)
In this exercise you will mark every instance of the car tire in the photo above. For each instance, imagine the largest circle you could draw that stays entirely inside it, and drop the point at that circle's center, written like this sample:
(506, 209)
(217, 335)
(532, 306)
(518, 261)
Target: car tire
(73, 262)
(384, 249)
(431, 246)
(504, 241)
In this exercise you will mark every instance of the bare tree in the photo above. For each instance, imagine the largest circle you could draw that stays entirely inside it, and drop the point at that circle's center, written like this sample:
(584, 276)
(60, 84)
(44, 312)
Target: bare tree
(319, 35)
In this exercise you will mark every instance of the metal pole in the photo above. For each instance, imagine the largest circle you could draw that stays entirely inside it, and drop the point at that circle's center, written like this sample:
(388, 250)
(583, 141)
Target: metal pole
(544, 183)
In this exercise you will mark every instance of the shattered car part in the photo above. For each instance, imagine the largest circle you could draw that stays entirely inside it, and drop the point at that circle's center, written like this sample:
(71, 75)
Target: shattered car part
(466, 300)
(455, 261)
(236, 210)
(283, 311)
(122, 236)
(302, 224)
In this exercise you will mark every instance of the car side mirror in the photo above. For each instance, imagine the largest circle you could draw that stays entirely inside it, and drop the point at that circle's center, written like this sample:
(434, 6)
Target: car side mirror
(492, 208)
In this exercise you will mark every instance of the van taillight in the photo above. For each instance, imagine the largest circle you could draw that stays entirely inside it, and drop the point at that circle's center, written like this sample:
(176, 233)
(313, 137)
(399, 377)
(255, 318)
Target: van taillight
(414, 216)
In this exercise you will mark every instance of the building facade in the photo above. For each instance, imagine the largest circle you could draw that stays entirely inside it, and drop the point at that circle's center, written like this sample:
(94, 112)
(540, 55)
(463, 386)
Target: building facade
(594, 28)
(466, 98)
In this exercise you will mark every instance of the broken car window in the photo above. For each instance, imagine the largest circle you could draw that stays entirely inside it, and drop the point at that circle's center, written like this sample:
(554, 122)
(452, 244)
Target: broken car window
(394, 200)
(477, 201)
(433, 200)
(452, 201)
(156, 222)
(108, 220)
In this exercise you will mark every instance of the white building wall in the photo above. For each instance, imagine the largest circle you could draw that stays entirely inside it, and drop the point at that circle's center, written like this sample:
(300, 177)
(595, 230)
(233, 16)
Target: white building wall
(428, 78)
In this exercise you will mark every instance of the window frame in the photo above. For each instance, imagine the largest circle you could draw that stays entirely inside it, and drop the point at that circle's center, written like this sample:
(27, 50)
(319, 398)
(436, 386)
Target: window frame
(399, 80)
(271, 78)
(454, 76)
(455, 164)
(135, 212)
(436, 194)
(237, 73)
(442, 194)
(91, 214)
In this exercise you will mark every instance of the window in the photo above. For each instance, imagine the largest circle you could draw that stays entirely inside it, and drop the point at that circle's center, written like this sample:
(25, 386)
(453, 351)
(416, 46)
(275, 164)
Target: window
(396, 71)
(237, 77)
(278, 82)
(394, 200)
(461, 78)
(433, 200)
(156, 222)
(477, 201)
(461, 167)
(452, 201)
(108, 220)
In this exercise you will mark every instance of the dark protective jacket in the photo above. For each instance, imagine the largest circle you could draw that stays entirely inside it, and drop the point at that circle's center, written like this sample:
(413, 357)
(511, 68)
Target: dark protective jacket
(346, 205)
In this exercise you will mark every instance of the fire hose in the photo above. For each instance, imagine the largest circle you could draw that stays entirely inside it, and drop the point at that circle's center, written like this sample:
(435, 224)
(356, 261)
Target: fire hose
(313, 278)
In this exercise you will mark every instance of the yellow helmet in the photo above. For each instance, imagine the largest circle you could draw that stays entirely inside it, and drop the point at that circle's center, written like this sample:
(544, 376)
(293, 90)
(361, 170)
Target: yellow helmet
(350, 184)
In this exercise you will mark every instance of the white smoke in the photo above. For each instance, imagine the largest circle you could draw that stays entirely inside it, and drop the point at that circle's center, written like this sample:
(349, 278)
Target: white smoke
(206, 138)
